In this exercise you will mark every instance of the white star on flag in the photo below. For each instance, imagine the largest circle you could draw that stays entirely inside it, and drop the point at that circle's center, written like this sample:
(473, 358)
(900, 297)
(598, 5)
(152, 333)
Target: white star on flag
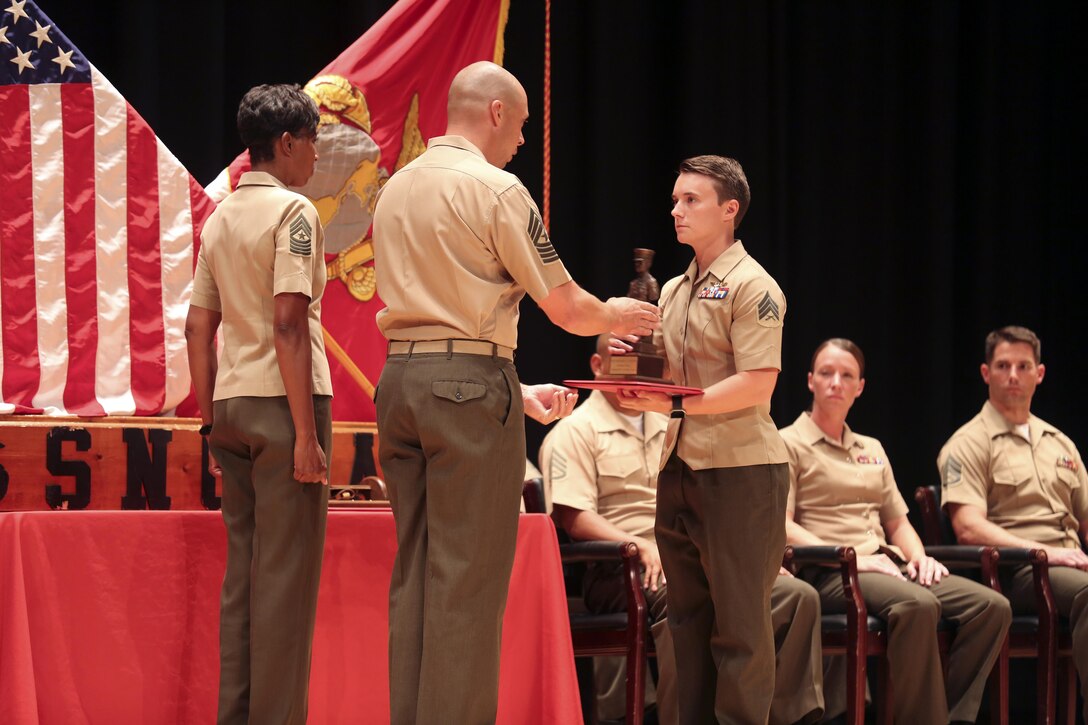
(64, 60)
(4, 35)
(17, 11)
(22, 59)
(42, 33)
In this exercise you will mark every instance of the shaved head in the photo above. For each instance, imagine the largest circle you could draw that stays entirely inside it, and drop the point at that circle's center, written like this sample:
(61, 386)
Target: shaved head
(488, 107)
(476, 86)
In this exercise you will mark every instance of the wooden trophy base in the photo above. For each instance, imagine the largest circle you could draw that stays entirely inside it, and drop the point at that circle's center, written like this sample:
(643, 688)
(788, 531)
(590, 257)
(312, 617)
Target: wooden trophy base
(640, 366)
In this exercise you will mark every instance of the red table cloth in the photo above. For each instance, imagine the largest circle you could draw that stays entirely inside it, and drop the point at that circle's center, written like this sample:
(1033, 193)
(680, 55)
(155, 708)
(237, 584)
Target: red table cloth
(112, 617)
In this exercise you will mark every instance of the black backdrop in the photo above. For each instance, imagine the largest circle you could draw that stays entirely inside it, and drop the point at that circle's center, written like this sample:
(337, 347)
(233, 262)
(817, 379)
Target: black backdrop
(915, 166)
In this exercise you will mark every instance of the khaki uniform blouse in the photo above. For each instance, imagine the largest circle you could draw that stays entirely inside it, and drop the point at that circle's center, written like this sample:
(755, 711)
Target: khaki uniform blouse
(596, 460)
(1037, 490)
(714, 325)
(261, 241)
(841, 492)
(459, 275)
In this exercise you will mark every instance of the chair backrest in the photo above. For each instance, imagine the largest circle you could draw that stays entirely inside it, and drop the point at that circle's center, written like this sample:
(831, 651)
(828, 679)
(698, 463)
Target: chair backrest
(532, 494)
(936, 526)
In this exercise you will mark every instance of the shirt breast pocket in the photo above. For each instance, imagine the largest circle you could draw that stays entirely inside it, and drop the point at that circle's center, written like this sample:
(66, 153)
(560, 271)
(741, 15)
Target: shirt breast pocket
(614, 471)
(1067, 483)
(1010, 483)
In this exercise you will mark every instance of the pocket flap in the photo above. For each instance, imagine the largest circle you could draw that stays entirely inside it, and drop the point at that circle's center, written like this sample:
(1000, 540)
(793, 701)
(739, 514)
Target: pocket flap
(458, 391)
(618, 466)
(1011, 476)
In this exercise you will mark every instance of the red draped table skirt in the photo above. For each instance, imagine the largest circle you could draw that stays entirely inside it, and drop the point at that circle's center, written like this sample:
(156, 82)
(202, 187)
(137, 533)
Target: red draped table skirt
(112, 617)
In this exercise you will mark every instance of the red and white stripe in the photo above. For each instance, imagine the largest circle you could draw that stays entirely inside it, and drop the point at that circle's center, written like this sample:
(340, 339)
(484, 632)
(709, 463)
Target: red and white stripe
(97, 228)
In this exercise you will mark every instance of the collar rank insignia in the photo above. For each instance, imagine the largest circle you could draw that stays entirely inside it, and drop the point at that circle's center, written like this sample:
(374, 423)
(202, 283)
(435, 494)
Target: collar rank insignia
(1067, 463)
(871, 460)
(714, 292)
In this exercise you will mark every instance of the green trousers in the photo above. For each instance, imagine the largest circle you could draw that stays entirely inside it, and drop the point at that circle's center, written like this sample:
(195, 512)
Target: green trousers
(1071, 596)
(721, 533)
(452, 448)
(275, 540)
(795, 618)
(920, 693)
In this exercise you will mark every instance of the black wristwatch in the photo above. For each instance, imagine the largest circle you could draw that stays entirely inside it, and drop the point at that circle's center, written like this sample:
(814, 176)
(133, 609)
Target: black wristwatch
(677, 407)
(205, 429)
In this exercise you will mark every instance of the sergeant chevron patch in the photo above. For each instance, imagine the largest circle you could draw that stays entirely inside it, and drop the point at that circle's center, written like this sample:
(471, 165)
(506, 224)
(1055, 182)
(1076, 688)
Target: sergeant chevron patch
(301, 236)
(952, 472)
(538, 235)
(558, 466)
(769, 314)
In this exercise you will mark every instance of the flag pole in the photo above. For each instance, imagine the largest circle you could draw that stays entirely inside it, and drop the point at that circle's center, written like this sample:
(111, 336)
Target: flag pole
(349, 365)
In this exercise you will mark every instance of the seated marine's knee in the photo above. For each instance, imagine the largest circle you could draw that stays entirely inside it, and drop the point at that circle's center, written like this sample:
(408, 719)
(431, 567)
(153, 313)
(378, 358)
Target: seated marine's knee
(922, 609)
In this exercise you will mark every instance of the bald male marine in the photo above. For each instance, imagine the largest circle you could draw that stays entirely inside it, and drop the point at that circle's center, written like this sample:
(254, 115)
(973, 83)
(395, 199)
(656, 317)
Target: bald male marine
(458, 243)
(1011, 479)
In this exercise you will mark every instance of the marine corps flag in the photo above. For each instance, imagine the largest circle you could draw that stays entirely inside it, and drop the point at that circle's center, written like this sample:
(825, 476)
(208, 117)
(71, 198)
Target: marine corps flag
(380, 100)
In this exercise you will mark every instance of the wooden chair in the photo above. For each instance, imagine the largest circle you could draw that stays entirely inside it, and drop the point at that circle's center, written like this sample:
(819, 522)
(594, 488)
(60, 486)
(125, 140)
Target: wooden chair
(1039, 635)
(854, 634)
(623, 634)
(858, 635)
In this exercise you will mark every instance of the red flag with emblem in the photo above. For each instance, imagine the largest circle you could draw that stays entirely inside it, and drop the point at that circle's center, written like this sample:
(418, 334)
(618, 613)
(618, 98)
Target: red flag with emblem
(380, 100)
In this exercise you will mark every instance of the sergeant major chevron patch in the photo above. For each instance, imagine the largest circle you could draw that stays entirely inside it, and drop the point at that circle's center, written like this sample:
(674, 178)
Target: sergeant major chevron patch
(538, 235)
(301, 236)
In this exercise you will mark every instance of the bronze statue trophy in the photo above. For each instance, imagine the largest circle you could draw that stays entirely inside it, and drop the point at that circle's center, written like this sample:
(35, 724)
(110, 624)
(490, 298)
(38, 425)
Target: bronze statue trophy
(643, 363)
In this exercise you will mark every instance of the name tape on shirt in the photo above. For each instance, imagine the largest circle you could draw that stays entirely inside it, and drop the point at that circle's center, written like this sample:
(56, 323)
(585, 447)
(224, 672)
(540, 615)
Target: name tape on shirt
(301, 236)
(770, 315)
(538, 235)
(714, 292)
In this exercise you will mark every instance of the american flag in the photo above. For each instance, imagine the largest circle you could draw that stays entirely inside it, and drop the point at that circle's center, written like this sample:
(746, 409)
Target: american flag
(97, 227)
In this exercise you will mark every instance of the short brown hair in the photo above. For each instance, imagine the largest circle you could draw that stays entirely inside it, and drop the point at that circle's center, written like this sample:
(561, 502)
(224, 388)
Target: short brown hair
(1013, 333)
(728, 177)
(843, 344)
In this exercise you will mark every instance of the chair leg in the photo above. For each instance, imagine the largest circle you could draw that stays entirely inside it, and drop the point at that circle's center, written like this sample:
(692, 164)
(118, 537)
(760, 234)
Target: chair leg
(998, 685)
(636, 687)
(884, 693)
(1046, 678)
(1067, 691)
(855, 686)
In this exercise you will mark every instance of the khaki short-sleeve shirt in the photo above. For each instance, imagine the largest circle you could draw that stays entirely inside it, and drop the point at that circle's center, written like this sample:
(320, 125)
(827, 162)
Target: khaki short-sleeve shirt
(726, 321)
(457, 244)
(842, 492)
(596, 460)
(261, 241)
(1037, 490)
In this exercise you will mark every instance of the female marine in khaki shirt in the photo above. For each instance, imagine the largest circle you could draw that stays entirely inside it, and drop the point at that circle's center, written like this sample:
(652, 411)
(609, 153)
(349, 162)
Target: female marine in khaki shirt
(843, 493)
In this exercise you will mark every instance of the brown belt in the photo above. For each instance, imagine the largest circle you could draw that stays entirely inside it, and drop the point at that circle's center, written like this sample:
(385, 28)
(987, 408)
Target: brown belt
(449, 347)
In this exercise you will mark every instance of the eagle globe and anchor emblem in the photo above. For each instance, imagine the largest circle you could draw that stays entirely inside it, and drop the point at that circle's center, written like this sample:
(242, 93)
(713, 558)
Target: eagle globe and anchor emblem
(347, 178)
